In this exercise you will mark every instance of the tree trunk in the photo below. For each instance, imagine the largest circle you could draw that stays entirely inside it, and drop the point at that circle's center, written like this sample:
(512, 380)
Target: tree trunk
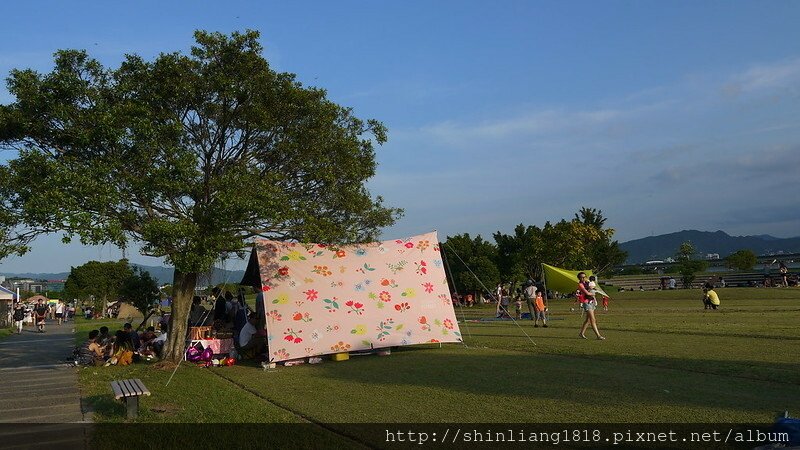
(182, 292)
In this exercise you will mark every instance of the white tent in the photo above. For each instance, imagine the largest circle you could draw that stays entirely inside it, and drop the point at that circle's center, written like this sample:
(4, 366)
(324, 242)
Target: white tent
(6, 294)
(6, 299)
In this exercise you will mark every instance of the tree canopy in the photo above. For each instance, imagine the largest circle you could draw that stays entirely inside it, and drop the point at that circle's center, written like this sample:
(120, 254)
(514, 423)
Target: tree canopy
(688, 267)
(101, 281)
(580, 243)
(140, 290)
(191, 156)
(742, 260)
(465, 256)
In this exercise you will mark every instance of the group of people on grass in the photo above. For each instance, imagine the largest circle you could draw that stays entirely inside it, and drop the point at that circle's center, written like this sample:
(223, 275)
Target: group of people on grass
(467, 300)
(124, 347)
(529, 294)
(228, 315)
(532, 295)
(231, 315)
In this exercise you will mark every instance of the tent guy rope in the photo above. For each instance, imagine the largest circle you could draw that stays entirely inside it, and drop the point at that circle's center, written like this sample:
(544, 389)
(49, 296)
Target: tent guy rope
(487, 290)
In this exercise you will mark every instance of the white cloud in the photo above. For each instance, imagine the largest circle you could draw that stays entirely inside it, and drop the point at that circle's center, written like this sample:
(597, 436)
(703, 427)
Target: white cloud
(643, 158)
(772, 76)
(539, 123)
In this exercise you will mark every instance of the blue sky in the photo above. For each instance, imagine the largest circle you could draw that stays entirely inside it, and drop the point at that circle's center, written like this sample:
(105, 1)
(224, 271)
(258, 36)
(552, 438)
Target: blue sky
(665, 115)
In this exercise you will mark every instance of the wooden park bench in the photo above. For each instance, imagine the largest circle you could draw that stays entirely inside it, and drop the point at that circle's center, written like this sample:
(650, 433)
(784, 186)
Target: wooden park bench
(130, 391)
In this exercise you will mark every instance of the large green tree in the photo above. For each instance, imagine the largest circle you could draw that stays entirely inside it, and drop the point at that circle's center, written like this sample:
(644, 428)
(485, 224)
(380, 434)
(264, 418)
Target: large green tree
(742, 260)
(519, 254)
(191, 156)
(686, 265)
(581, 243)
(604, 253)
(13, 239)
(100, 281)
(472, 263)
(140, 290)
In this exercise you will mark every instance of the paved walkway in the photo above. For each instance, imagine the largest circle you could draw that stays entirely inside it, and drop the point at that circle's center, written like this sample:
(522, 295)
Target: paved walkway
(38, 386)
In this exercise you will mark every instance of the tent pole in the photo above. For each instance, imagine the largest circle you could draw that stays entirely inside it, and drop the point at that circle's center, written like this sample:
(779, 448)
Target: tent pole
(544, 281)
(455, 290)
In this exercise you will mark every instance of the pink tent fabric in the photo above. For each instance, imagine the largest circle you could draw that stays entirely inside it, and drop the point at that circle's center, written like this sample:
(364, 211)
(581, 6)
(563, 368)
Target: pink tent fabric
(323, 299)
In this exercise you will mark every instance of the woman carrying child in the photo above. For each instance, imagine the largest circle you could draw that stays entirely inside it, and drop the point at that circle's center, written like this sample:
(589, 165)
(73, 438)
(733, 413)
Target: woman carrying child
(588, 304)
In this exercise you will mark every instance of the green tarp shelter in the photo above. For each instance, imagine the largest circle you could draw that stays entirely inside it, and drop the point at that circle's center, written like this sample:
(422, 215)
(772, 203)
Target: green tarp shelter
(563, 280)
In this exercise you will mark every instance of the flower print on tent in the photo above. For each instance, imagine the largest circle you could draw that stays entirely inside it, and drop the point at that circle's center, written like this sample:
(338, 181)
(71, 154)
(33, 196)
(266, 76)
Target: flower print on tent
(324, 299)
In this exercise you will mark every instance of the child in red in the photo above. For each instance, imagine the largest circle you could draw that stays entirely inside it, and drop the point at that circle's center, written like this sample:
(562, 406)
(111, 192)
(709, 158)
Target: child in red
(605, 303)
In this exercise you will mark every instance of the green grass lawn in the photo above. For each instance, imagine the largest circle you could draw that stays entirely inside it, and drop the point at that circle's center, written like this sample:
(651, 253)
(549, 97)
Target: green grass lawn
(665, 360)
(5, 332)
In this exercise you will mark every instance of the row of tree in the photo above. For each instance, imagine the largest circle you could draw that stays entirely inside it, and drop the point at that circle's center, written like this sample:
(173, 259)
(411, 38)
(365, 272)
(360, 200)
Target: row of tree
(583, 242)
(99, 283)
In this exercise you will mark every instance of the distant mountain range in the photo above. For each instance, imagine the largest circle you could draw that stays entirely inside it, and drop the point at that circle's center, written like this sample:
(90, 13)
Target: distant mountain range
(665, 245)
(162, 274)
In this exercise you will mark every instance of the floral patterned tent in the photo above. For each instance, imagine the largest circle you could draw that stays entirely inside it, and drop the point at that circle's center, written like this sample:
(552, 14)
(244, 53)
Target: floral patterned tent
(323, 299)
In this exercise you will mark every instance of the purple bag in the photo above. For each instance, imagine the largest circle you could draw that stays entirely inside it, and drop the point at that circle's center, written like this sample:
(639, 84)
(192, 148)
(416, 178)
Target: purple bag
(207, 354)
(193, 354)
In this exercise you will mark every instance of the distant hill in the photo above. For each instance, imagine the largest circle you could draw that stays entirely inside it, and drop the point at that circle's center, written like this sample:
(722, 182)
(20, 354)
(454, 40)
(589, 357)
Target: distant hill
(162, 274)
(665, 245)
(38, 276)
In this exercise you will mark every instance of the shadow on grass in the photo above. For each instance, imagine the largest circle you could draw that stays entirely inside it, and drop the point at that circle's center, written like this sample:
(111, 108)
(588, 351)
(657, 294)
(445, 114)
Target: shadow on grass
(619, 386)
(104, 405)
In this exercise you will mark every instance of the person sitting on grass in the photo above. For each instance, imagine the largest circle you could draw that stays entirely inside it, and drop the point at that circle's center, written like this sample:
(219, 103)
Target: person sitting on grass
(104, 337)
(710, 297)
(147, 347)
(133, 335)
(469, 300)
(122, 352)
(90, 353)
(106, 341)
(251, 343)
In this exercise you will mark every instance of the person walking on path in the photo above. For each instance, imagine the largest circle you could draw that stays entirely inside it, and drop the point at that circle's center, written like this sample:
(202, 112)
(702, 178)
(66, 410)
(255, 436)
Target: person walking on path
(40, 312)
(588, 304)
(19, 317)
(530, 295)
(60, 311)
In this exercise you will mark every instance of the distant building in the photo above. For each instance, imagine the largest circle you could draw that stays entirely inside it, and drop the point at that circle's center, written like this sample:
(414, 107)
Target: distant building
(28, 285)
(712, 256)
